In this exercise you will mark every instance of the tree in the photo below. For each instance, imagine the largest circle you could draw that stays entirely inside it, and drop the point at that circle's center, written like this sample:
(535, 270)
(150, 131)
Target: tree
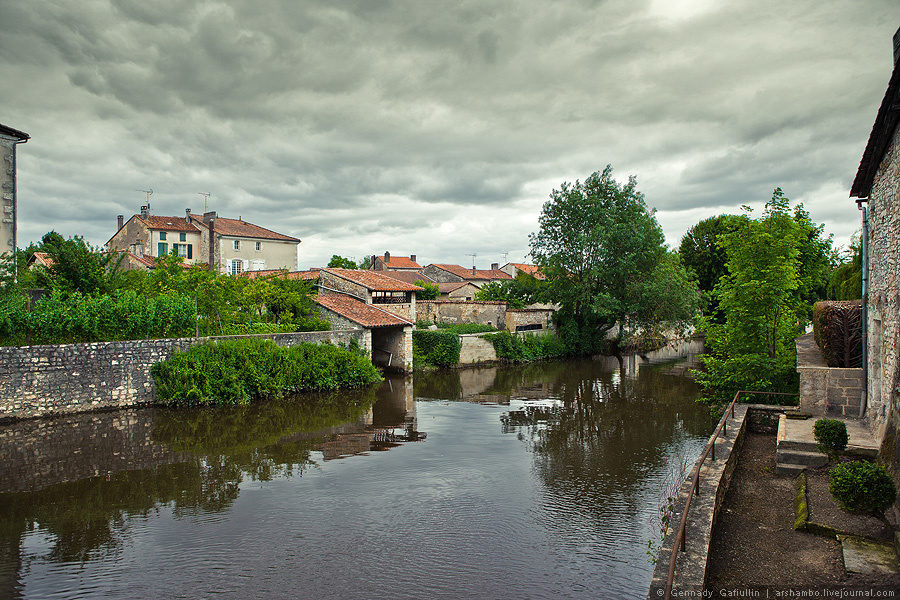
(598, 246)
(339, 262)
(430, 290)
(761, 301)
(518, 292)
(845, 282)
(701, 253)
(78, 266)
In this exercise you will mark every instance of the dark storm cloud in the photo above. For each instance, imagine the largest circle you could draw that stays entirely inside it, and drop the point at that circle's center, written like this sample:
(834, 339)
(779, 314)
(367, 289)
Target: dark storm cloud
(441, 127)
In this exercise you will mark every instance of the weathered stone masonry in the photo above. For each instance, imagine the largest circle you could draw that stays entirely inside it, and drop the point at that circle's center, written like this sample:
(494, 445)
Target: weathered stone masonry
(38, 381)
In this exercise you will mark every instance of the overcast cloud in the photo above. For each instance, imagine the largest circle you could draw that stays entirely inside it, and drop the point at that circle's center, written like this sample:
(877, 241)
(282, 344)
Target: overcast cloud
(434, 128)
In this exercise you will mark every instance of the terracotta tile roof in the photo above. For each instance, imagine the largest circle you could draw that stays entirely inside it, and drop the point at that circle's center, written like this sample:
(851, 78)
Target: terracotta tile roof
(374, 281)
(42, 259)
(446, 288)
(168, 223)
(400, 262)
(532, 270)
(407, 276)
(281, 273)
(465, 273)
(238, 228)
(359, 312)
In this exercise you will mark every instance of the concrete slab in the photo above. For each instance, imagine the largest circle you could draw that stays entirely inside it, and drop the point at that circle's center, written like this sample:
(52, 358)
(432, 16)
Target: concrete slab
(868, 557)
(798, 434)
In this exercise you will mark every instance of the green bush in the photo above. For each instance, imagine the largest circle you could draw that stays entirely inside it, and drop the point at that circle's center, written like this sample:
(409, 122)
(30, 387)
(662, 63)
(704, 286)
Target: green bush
(831, 434)
(237, 371)
(438, 348)
(862, 486)
(517, 348)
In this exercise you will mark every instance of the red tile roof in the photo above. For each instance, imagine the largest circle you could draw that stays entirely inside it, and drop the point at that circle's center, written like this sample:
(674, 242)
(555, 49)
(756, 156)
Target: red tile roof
(407, 276)
(532, 270)
(238, 228)
(42, 259)
(359, 312)
(374, 281)
(168, 223)
(399, 262)
(446, 288)
(465, 273)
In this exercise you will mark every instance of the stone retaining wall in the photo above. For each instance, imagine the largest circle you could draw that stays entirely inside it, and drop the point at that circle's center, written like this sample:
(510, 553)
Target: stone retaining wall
(827, 391)
(37, 381)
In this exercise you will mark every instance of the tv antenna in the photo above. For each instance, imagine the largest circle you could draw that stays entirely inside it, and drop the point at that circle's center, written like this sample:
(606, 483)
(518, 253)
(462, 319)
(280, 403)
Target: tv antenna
(473, 255)
(206, 196)
(149, 193)
(504, 255)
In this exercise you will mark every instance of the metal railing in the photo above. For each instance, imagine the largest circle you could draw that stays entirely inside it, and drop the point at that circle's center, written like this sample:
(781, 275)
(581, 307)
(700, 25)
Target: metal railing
(680, 541)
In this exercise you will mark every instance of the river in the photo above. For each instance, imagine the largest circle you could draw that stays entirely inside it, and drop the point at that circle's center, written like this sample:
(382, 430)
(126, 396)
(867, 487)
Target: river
(534, 481)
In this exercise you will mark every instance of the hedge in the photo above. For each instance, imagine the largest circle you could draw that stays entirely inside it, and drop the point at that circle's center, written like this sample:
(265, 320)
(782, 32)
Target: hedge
(238, 371)
(837, 327)
(436, 348)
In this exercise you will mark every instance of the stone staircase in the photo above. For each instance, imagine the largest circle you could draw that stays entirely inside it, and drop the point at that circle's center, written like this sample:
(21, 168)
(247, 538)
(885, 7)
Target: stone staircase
(797, 449)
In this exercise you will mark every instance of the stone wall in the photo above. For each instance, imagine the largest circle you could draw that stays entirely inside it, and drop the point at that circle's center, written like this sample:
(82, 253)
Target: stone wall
(7, 194)
(884, 293)
(38, 381)
(476, 349)
(516, 317)
(827, 391)
(455, 311)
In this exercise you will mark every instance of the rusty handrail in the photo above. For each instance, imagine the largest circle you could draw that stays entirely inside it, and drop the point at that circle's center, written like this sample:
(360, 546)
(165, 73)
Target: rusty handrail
(695, 483)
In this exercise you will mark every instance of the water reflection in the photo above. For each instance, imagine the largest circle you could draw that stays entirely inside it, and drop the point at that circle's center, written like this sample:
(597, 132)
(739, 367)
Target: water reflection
(549, 482)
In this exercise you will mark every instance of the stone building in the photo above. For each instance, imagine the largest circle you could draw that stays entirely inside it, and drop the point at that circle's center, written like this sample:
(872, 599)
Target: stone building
(9, 139)
(231, 246)
(877, 192)
(444, 273)
(395, 263)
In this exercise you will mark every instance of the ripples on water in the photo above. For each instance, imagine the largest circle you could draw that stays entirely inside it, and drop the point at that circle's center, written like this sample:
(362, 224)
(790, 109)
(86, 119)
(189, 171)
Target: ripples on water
(532, 482)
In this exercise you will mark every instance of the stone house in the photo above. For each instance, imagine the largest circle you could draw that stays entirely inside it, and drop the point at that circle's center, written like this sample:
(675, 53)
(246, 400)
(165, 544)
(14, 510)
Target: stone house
(231, 246)
(458, 290)
(9, 139)
(513, 269)
(445, 273)
(876, 189)
(372, 287)
(395, 263)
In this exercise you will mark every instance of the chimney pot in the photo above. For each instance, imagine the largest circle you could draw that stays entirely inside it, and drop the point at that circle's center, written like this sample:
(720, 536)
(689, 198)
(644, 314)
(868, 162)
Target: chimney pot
(121, 220)
(387, 257)
(412, 257)
(187, 215)
(495, 266)
(473, 270)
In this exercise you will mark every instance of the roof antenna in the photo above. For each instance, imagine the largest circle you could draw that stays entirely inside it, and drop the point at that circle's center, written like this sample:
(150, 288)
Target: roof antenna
(206, 196)
(504, 255)
(473, 255)
(149, 193)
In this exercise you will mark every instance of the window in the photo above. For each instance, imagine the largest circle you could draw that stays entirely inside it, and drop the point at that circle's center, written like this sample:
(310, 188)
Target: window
(258, 246)
(237, 265)
(162, 235)
(182, 237)
(391, 297)
(162, 248)
(237, 244)
(184, 250)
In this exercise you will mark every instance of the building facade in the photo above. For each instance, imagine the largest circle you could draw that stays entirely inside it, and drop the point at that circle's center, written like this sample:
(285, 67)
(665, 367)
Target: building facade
(9, 139)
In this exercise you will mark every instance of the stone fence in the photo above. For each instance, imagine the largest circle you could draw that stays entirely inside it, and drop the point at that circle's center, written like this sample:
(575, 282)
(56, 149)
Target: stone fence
(827, 391)
(37, 381)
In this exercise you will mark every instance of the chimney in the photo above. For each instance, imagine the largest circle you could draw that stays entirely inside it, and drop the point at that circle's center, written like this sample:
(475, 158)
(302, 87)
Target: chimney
(210, 219)
(121, 220)
(412, 257)
(387, 256)
(495, 266)
(187, 215)
(208, 216)
(473, 270)
(145, 210)
(372, 266)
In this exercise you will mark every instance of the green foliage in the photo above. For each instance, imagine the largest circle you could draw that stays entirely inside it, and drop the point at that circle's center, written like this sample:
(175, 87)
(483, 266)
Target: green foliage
(519, 292)
(516, 348)
(702, 254)
(845, 282)
(430, 290)
(237, 371)
(60, 318)
(438, 348)
(77, 267)
(761, 303)
(339, 262)
(831, 434)
(862, 486)
(598, 247)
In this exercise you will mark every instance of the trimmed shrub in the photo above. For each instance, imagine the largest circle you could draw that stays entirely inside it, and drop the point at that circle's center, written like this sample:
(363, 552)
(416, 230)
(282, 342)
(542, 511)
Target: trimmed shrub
(831, 434)
(237, 371)
(837, 327)
(862, 486)
(437, 348)
(517, 348)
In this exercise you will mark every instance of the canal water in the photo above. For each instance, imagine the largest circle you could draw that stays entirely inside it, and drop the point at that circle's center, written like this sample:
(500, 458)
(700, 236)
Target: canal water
(535, 481)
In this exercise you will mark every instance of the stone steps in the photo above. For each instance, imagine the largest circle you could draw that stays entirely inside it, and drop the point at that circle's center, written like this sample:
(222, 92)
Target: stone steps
(797, 449)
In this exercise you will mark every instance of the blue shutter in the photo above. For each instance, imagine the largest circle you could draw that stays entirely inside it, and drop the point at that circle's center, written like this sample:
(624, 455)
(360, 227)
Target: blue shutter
(162, 249)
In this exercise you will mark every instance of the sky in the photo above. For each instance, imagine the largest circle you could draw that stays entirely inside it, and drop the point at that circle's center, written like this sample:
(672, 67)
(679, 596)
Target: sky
(434, 128)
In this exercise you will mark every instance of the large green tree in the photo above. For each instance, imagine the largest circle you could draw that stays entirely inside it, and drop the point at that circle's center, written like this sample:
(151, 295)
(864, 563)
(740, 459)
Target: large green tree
(77, 266)
(599, 246)
(772, 275)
